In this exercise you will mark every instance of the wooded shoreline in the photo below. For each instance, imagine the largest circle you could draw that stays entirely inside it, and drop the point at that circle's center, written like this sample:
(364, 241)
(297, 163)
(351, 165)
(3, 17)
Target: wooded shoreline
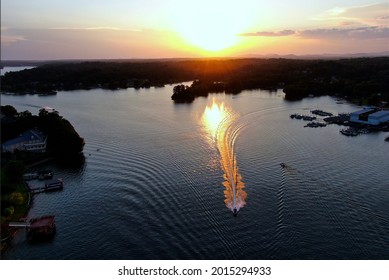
(355, 79)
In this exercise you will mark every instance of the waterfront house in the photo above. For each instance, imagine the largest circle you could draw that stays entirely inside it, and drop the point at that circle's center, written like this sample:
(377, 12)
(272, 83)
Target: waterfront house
(31, 140)
(370, 115)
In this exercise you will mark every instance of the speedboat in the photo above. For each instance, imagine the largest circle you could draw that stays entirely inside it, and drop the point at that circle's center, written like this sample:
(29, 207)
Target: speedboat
(235, 212)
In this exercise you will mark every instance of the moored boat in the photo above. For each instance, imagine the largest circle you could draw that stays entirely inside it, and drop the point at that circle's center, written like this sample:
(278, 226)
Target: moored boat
(349, 132)
(321, 113)
(315, 124)
(45, 174)
(54, 185)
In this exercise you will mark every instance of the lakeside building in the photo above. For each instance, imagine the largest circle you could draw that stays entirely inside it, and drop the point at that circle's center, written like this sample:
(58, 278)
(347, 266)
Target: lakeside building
(31, 140)
(372, 116)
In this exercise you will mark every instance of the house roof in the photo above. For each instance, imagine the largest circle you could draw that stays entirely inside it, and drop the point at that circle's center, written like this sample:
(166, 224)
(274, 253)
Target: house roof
(379, 114)
(363, 111)
(28, 135)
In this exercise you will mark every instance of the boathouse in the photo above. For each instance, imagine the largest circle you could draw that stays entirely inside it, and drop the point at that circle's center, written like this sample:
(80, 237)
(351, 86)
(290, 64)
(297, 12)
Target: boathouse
(43, 227)
(370, 115)
(378, 117)
(31, 140)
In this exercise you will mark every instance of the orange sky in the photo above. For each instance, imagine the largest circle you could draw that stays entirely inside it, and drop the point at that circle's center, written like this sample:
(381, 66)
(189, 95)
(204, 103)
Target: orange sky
(97, 29)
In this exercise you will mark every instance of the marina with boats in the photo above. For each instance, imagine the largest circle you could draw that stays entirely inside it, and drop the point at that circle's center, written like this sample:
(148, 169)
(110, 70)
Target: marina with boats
(313, 122)
(363, 121)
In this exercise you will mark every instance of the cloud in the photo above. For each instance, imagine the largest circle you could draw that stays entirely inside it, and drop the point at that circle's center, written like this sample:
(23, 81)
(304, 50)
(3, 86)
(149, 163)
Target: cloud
(270, 33)
(373, 15)
(103, 28)
(366, 33)
(10, 39)
(350, 23)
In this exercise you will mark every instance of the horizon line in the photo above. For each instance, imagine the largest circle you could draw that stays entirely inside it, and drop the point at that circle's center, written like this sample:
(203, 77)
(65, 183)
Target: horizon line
(243, 56)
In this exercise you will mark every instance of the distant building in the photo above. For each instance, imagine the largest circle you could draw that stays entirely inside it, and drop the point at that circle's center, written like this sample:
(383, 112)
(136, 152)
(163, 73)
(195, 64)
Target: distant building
(31, 140)
(370, 115)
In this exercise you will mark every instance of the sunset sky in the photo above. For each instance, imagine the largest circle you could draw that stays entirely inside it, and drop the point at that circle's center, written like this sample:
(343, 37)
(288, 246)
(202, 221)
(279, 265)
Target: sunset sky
(97, 29)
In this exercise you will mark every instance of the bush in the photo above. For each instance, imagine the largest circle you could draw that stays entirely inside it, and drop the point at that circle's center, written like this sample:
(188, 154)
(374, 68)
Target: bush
(15, 170)
(17, 198)
(9, 211)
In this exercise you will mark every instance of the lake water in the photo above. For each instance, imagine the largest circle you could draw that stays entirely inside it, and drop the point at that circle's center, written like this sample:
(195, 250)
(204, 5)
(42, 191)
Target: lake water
(159, 180)
(14, 69)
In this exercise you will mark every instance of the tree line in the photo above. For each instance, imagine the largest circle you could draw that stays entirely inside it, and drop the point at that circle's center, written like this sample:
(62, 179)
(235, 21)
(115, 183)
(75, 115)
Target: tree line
(355, 79)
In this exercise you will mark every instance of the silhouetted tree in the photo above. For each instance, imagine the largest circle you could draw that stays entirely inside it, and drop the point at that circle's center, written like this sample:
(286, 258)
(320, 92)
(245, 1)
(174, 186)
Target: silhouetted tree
(8, 111)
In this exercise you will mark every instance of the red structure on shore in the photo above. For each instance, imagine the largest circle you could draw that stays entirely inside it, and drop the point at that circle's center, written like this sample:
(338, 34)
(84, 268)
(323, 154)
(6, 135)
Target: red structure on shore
(41, 228)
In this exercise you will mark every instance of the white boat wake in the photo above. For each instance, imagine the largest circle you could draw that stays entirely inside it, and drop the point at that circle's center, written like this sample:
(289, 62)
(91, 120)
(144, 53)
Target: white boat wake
(219, 121)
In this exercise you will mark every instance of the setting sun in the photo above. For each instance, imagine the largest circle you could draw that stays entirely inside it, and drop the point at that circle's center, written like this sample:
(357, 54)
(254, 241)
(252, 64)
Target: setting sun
(213, 29)
(207, 38)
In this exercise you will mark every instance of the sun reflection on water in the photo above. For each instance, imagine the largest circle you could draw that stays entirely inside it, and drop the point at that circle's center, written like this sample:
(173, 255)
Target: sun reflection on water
(214, 116)
(218, 120)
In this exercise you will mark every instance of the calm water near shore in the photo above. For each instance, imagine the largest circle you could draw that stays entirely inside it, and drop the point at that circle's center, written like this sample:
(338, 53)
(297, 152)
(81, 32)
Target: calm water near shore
(159, 179)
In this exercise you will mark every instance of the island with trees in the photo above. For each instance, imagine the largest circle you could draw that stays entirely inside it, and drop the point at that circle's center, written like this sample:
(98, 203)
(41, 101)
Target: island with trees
(361, 80)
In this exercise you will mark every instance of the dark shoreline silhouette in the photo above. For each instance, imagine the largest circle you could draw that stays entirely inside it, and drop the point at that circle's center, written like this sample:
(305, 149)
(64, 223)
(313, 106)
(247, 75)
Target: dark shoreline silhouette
(64, 144)
(357, 79)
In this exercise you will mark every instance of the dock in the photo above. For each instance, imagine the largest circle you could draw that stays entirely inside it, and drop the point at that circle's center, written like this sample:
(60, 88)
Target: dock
(37, 228)
(30, 176)
(52, 185)
(18, 224)
(302, 117)
(41, 175)
(321, 113)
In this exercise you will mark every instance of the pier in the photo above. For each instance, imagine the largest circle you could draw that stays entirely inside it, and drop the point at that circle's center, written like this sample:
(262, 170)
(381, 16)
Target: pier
(41, 175)
(52, 185)
(37, 228)
(18, 224)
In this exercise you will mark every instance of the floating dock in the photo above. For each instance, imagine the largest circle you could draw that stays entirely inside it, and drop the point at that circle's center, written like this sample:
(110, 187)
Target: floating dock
(52, 185)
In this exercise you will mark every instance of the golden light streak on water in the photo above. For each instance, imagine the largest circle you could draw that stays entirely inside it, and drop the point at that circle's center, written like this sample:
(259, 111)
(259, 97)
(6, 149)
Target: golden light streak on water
(218, 120)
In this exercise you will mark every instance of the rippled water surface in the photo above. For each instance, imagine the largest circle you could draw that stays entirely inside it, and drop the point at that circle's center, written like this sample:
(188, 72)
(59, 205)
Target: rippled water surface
(161, 180)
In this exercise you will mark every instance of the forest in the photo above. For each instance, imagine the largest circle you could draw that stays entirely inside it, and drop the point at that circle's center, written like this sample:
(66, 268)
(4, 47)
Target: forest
(356, 79)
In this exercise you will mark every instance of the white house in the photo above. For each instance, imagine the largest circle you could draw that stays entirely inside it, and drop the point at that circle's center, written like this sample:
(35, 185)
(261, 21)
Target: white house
(31, 140)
